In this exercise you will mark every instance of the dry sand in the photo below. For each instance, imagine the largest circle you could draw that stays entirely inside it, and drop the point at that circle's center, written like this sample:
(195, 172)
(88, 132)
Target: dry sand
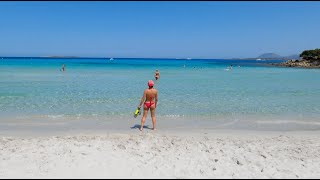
(159, 154)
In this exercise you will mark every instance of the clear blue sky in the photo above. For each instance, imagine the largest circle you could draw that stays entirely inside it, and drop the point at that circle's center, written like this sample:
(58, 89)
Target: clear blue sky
(158, 29)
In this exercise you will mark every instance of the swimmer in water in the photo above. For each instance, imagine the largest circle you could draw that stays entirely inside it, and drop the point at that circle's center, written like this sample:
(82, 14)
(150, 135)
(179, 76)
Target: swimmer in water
(63, 68)
(157, 74)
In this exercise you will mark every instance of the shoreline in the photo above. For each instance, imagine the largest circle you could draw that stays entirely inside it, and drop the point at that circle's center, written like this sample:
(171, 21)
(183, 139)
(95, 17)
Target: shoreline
(159, 131)
(305, 64)
(63, 126)
(163, 154)
(171, 132)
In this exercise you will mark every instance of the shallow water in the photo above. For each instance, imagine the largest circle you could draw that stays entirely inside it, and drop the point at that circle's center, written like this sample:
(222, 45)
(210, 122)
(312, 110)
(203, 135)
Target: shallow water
(203, 93)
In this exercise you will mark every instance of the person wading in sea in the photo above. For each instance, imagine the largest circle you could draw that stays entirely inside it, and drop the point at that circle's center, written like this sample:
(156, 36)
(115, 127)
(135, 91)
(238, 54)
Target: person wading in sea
(157, 74)
(63, 68)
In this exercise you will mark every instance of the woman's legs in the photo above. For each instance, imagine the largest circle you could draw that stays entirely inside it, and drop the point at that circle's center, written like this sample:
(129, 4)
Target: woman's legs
(153, 116)
(144, 117)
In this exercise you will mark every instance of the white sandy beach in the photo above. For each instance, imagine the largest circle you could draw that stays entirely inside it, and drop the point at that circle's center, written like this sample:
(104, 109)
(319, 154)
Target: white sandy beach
(196, 154)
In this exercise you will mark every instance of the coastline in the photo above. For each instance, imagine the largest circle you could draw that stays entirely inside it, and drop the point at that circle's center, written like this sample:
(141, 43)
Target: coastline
(163, 154)
(64, 125)
(306, 64)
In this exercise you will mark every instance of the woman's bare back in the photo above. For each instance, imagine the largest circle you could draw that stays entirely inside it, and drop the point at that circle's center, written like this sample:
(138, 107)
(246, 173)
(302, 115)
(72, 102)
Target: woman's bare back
(150, 94)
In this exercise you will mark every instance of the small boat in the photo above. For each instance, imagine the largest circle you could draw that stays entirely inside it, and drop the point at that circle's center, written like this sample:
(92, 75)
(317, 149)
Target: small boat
(111, 59)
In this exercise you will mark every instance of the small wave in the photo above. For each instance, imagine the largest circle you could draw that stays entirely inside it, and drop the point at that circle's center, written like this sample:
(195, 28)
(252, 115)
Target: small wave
(54, 116)
(229, 123)
(288, 122)
(173, 115)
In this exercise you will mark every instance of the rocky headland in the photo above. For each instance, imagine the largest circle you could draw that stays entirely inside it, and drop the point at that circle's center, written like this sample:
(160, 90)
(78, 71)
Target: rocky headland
(299, 63)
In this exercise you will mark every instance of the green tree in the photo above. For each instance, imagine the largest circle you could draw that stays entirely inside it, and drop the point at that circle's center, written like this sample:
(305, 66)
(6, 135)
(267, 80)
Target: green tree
(311, 54)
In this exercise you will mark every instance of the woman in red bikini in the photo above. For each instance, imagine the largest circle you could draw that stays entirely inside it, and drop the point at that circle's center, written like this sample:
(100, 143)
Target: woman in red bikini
(150, 100)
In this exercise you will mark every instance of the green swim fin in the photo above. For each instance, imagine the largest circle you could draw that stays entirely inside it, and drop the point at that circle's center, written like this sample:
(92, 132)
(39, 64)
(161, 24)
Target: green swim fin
(137, 113)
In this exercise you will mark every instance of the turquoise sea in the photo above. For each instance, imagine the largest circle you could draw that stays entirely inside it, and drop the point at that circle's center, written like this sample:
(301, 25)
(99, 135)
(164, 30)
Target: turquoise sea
(192, 94)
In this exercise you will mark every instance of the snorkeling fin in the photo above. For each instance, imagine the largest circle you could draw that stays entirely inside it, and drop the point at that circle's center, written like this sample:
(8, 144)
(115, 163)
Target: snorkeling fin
(138, 112)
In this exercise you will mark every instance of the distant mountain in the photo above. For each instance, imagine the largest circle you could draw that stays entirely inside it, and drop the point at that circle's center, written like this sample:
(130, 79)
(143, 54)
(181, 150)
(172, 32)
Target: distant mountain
(294, 56)
(277, 56)
(269, 56)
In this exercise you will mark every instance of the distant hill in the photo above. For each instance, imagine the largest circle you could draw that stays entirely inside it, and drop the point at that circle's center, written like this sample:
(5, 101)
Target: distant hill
(294, 56)
(277, 56)
(269, 56)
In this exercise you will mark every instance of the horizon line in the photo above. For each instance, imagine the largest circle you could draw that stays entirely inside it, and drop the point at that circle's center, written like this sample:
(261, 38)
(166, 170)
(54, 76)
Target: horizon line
(92, 57)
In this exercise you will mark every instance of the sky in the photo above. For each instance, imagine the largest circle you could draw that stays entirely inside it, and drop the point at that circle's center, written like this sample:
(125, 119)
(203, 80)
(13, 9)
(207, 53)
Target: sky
(178, 29)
